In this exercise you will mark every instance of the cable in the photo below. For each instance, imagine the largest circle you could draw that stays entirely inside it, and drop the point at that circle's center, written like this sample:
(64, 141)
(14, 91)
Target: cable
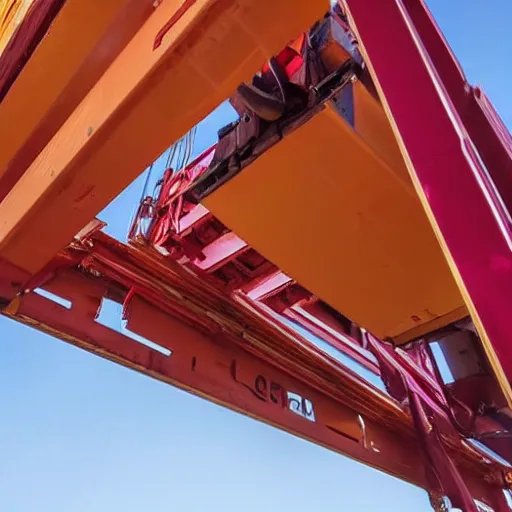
(179, 154)
(132, 229)
(146, 182)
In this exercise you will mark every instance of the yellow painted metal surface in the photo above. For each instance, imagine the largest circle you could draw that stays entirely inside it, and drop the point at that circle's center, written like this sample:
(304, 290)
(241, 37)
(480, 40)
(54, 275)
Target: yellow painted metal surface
(340, 215)
(144, 101)
(84, 39)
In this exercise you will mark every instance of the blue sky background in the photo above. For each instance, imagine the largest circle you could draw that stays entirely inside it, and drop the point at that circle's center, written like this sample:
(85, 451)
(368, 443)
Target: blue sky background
(79, 434)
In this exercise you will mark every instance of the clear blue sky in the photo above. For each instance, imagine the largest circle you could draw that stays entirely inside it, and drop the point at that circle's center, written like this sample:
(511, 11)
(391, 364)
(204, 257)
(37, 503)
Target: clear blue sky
(79, 434)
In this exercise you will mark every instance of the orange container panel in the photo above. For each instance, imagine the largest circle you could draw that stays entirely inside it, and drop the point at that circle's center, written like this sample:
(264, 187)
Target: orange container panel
(338, 213)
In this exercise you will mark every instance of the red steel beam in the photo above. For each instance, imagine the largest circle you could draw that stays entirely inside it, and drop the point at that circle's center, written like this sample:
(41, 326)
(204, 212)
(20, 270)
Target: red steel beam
(337, 340)
(269, 285)
(224, 357)
(193, 300)
(219, 251)
(198, 214)
(455, 187)
(217, 371)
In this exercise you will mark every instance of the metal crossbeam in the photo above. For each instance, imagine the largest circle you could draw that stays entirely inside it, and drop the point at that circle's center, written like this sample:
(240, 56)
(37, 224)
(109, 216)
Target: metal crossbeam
(180, 331)
(145, 100)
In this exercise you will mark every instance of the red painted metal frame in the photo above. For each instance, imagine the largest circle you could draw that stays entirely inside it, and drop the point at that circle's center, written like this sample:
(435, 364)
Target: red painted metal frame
(205, 363)
(222, 249)
(173, 224)
(230, 351)
(459, 162)
(269, 286)
(340, 341)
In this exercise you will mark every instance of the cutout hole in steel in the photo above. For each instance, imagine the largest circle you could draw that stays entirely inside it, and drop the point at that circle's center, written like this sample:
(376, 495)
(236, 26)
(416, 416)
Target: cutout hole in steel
(53, 297)
(111, 316)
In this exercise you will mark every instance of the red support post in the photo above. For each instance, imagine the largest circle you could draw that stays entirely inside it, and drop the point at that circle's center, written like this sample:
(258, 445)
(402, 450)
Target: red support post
(411, 67)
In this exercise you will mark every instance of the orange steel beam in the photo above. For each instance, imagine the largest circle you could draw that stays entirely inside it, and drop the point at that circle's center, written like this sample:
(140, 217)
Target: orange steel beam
(144, 101)
(82, 42)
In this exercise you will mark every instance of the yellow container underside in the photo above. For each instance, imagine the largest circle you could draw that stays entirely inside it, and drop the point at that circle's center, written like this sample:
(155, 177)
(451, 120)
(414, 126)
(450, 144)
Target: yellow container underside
(335, 209)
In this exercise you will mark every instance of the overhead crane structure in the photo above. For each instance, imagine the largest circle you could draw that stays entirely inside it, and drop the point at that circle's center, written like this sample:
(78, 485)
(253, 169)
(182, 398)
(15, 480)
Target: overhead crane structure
(325, 216)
